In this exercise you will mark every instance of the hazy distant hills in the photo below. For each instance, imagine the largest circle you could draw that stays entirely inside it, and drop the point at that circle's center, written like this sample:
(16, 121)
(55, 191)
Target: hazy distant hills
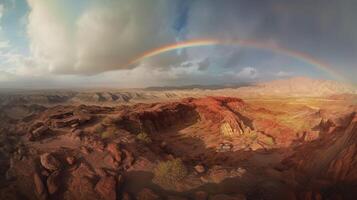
(297, 86)
(300, 86)
(203, 87)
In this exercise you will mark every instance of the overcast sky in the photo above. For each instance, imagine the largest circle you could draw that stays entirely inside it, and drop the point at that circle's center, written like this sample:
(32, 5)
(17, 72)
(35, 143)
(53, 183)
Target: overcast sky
(84, 43)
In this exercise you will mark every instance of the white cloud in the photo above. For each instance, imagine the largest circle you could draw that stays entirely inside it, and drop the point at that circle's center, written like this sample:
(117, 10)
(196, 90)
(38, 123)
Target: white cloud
(283, 74)
(4, 44)
(6, 76)
(248, 73)
(106, 36)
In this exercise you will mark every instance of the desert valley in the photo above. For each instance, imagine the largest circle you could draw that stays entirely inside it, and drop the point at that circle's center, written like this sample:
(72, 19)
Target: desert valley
(286, 139)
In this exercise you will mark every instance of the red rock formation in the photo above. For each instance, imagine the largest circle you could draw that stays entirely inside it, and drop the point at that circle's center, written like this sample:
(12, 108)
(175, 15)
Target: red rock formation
(329, 161)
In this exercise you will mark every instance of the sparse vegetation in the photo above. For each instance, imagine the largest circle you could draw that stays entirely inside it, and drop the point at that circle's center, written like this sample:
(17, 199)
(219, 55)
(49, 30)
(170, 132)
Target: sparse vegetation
(144, 137)
(169, 172)
(251, 134)
(108, 133)
(98, 128)
(268, 141)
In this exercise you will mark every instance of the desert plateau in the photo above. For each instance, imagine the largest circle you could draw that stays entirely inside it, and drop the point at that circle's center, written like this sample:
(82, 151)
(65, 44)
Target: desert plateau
(180, 144)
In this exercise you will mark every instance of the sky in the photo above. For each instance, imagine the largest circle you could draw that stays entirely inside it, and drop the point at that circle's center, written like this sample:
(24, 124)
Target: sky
(89, 43)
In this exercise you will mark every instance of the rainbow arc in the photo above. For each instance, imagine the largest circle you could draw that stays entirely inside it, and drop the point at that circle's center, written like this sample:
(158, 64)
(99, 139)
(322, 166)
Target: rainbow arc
(243, 43)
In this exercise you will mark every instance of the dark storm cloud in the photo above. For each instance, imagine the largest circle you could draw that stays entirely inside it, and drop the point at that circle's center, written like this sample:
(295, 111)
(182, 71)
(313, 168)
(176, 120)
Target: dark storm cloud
(325, 29)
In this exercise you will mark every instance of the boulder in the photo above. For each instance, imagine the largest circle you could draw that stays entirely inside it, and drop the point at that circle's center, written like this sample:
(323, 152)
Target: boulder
(224, 147)
(70, 160)
(218, 174)
(38, 133)
(41, 190)
(49, 162)
(113, 148)
(200, 169)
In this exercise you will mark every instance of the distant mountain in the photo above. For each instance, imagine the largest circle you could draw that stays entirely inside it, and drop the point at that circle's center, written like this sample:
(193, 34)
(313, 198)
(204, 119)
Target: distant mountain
(300, 86)
(297, 86)
(203, 87)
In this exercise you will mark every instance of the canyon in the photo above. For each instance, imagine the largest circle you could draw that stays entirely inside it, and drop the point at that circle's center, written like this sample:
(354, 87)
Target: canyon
(298, 142)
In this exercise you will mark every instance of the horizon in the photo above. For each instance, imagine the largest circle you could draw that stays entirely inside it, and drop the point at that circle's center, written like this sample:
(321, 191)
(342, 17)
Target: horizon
(131, 44)
(230, 85)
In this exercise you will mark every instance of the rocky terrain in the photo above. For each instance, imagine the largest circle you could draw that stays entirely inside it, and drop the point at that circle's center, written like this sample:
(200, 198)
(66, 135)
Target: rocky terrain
(194, 148)
(191, 145)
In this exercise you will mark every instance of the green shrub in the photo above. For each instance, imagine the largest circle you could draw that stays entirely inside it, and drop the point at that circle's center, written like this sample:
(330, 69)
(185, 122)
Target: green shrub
(98, 128)
(269, 141)
(144, 137)
(108, 132)
(168, 173)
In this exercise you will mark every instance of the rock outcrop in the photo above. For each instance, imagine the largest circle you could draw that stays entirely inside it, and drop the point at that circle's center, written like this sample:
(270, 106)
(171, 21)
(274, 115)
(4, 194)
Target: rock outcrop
(50, 162)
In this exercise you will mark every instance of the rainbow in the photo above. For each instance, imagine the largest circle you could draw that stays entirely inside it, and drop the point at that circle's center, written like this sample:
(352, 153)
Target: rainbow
(306, 58)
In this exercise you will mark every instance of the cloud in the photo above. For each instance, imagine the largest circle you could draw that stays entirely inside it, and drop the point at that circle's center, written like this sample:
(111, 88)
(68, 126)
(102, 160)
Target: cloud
(99, 38)
(2, 9)
(248, 73)
(6, 76)
(284, 74)
(4, 44)
(204, 64)
(106, 36)
(228, 20)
